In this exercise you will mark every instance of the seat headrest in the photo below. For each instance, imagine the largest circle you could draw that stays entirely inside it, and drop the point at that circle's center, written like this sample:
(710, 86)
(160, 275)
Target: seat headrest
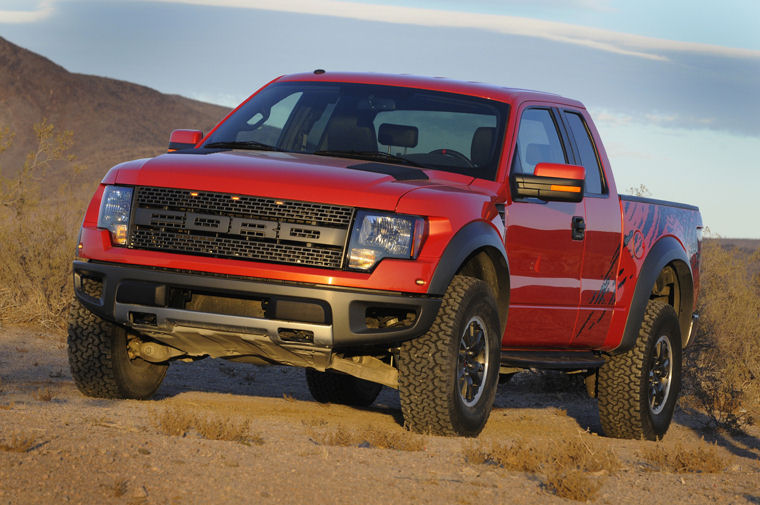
(482, 146)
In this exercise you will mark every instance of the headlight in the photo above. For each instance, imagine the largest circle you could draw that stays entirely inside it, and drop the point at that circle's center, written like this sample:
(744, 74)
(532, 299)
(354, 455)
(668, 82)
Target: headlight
(379, 235)
(115, 207)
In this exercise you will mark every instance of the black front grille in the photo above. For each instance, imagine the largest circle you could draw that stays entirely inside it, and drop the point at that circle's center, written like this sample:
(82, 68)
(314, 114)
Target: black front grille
(238, 226)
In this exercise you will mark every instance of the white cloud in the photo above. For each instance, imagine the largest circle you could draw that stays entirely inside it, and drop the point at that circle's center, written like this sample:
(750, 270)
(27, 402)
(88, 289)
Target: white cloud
(43, 10)
(646, 119)
(596, 38)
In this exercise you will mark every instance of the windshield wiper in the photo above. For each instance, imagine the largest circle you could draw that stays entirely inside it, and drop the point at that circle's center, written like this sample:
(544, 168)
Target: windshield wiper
(370, 155)
(243, 144)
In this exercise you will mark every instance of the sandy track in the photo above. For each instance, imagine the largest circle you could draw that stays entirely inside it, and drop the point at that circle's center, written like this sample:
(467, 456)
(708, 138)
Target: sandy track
(86, 450)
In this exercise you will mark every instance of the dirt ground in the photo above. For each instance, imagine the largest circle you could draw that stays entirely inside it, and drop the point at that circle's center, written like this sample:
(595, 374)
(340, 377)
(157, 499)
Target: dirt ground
(57, 446)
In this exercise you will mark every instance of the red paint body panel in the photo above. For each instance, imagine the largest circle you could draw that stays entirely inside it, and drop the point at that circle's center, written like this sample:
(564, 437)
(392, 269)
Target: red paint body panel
(644, 224)
(565, 293)
(560, 171)
(186, 136)
(545, 268)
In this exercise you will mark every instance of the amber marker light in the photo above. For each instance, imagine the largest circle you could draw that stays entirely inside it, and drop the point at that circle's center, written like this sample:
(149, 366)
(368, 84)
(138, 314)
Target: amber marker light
(236, 198)
(120, 234)
(569, 189)
(194, 193)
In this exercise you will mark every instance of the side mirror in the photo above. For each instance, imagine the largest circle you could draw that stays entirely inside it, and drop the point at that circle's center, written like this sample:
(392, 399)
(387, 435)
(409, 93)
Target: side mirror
(552, 182)
(184, 139)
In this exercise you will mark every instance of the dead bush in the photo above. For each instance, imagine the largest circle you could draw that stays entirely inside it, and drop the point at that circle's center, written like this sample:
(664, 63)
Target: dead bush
(40, 223)
(17, 443)
(370, 438)
(476, 454)
(571, 468)
(180, 423)
(723, 363)
(44, 395)
(119, 488)
(677, 459)
(572, 484)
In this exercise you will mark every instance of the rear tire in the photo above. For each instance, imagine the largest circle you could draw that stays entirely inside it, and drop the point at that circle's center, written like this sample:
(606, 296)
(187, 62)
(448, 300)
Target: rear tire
(448, 376)
(329, 387)
(100, 362)
(638, 390)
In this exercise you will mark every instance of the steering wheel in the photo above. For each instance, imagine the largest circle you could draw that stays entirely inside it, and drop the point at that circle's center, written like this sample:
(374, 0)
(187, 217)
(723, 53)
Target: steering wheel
(454, 154)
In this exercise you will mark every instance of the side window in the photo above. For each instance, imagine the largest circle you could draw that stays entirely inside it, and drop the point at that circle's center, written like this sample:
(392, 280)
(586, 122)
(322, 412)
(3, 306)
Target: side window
(537, 141)
(587, 152)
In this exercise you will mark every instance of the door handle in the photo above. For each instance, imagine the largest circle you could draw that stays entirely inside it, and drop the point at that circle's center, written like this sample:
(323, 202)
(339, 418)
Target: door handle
(579, 228)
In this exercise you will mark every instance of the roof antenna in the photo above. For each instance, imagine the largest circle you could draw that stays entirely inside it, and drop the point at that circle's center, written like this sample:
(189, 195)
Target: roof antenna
(319, 71)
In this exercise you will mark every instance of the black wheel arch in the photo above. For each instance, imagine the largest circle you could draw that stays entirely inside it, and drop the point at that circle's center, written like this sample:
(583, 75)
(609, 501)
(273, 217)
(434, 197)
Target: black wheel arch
(666, 252)
(476, 250)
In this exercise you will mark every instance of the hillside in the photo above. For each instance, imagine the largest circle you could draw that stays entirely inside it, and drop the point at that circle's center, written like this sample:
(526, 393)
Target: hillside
(112, 120)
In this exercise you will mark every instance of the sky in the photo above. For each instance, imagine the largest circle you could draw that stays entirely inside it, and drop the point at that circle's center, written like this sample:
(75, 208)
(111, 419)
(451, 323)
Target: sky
(673, 86)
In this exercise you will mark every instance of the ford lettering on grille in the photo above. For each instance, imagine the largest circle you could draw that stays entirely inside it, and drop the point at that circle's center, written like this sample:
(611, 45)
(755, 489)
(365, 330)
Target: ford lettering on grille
(240, 227)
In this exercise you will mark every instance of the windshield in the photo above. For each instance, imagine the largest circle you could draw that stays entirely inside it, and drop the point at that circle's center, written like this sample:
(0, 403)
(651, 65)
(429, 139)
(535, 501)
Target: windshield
(442, 131)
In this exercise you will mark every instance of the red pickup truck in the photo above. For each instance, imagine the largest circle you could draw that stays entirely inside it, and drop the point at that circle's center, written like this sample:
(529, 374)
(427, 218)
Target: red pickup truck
(418, 233)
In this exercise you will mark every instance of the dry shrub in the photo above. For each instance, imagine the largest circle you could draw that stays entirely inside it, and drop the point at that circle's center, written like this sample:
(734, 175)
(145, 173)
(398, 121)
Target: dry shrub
(677, 459)
(18, 443)
(314, 422)
(371, 438)
(39, 226)
(572, 484)
(537, 456)
(569, 466)
(723, 363)
(120, 487)
(520, 456)
(476, 454)
(44, 395)
(176, 422)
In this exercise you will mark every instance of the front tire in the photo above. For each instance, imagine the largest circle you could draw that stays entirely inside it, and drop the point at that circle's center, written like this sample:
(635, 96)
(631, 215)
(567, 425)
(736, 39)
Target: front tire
(448, 376)
(638, 390)
(100, 362)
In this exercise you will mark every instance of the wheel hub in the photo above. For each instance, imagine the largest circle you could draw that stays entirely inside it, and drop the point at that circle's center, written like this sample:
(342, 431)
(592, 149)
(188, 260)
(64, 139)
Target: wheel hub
(660, 374)
(473, 363)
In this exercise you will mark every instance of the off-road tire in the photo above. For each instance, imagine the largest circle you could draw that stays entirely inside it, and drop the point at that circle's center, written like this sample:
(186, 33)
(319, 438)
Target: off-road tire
(429, 388)
(623, 383)
(329, 387)
(99, 361)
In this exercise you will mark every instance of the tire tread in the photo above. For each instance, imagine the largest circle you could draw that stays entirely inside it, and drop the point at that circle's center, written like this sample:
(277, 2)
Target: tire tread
(622, 410)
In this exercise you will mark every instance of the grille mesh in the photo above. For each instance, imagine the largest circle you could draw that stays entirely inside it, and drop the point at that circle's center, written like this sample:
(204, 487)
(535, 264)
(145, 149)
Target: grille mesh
(245, 206)
(170, 229)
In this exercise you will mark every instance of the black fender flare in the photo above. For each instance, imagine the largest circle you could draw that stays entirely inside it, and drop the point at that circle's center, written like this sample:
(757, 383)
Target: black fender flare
(665, 251)
(471, 239)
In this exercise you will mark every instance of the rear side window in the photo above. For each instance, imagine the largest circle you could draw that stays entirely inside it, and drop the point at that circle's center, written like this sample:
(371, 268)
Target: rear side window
(587, 152)
(537, 141)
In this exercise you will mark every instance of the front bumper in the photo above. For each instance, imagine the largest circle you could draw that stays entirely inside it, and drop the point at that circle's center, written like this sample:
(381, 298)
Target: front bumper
(156, 301)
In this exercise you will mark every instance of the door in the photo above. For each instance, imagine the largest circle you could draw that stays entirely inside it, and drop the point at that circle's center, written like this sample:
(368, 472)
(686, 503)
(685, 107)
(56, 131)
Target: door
(602, 241)
(545, 259)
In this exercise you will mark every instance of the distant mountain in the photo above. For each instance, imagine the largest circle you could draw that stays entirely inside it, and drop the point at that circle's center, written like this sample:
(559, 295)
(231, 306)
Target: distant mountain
(112, 120)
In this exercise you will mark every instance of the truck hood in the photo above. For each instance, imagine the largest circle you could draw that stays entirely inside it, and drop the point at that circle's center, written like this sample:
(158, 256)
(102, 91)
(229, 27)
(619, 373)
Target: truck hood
(289, 176)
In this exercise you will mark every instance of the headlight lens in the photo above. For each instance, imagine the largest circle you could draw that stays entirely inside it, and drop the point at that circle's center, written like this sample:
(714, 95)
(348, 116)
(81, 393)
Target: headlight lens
(115, 207)
(383, 235)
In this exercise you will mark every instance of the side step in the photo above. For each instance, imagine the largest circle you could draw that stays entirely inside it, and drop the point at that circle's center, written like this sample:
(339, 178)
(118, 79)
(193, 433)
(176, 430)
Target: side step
(553, 360)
